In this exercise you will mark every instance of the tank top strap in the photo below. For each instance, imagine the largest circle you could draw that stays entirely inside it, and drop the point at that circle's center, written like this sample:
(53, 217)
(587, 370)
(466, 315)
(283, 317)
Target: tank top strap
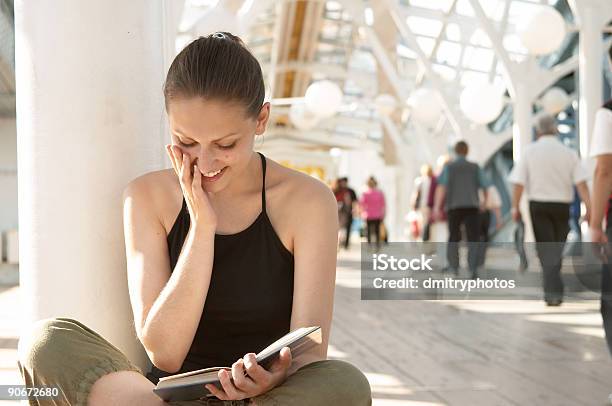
(263, 186)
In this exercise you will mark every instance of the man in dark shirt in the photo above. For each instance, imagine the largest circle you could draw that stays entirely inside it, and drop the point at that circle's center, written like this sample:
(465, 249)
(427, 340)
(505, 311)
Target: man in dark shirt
(352, 197)
(459, 183)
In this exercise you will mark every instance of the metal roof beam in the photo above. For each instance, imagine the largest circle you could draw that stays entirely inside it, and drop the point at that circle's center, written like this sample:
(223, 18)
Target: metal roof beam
(323, 138)
(330, 70)
(410, 38)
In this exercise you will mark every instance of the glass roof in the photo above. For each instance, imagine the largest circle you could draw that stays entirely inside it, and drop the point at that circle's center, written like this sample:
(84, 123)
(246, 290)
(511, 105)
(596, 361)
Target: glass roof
(447, 32)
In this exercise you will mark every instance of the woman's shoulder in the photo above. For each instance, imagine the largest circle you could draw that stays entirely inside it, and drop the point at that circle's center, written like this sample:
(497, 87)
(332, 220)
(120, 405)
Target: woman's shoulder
(296, 201)
(295, 183)
(152, 183)
(291, 190)
(153, 177)
(157, 191)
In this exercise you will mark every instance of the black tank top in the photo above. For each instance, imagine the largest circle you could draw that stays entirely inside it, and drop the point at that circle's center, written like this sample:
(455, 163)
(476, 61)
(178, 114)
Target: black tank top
(249, 299)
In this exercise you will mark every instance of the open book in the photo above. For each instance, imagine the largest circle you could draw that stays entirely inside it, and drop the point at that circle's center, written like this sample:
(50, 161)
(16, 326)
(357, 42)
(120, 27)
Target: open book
(190, 385)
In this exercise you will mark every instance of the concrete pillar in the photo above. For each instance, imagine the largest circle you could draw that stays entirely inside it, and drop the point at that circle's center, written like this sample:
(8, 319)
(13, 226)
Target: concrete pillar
(393, 144)
(590, 75)
(591, 16)
(89, 119)
(172, 14)
(522, 132)
(172, 11)
(522, 135)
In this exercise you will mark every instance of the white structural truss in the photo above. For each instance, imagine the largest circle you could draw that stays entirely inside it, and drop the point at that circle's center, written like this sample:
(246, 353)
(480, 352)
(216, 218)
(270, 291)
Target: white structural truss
(443, 45)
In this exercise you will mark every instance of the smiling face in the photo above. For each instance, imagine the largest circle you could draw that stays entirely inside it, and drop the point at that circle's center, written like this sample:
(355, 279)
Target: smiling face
(217, 135)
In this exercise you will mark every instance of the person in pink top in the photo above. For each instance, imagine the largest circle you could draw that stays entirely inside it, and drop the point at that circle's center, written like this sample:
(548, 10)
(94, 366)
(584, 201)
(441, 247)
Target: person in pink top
(372, 205)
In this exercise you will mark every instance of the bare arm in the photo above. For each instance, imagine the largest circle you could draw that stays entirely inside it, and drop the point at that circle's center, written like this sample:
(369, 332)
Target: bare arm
(602, 188)
(167, 306)
(315, 267)
(485, 197)
(517, 193)
(583, 192)
(439, 196)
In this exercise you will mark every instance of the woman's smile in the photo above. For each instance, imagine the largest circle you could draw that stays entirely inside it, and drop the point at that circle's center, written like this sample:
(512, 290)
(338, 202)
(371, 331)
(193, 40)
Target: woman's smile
(213, 175)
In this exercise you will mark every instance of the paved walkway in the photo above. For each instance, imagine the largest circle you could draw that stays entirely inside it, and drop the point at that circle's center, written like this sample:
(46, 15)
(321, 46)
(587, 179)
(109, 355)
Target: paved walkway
(9, 332)
(471, 353)
(431, 353)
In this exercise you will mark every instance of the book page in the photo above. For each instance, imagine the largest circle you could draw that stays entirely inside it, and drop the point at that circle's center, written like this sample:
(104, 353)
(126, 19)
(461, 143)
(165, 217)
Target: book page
(196, 372)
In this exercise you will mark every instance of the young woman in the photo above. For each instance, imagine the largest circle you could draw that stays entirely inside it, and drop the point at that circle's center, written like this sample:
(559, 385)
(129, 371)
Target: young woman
(372, 205)
(226, 252)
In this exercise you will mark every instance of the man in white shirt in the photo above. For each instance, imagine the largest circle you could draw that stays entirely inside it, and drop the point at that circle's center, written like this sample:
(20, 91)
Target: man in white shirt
(547, 172)
(601, 149)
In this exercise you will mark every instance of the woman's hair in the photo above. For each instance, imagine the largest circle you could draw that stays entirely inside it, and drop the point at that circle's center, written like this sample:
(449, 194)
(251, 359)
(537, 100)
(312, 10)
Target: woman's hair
(372, 182)
(218, 66)
(426, 170)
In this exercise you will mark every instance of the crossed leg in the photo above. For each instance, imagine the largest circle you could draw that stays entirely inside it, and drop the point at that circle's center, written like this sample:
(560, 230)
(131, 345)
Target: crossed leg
(90, 371)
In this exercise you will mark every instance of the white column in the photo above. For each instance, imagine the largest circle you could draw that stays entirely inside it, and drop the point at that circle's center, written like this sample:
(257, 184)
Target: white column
(387, 182)
(522, 116)
(89, 117)
(590, 51)
(521, 137)
(591, 16)
(406, 174)
(172, 12)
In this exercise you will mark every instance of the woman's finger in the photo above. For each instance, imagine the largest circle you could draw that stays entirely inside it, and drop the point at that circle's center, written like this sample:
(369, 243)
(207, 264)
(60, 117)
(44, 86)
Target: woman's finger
(216, 391)
(185, 170)
(255, 371)
(178, 157)
(167, 147)
(171, 157)
(241, 381)
(176, 152)
(283, 362)
(196, 184)
(228, 387)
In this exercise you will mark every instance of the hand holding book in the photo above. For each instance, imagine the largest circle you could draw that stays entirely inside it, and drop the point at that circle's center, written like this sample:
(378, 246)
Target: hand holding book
(247, 378)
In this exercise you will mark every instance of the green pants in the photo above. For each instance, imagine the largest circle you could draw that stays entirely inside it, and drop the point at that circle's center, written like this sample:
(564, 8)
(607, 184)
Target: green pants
(64, 353)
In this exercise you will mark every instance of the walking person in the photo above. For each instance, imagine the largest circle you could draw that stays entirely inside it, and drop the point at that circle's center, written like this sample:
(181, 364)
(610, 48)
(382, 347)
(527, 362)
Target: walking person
(547, 173)
(601, 149)
(423, 200)
(350, 201)
(344, 209)
(491, 214)
(459, 185)
(519, 244)
(439, 222)
(372, 205)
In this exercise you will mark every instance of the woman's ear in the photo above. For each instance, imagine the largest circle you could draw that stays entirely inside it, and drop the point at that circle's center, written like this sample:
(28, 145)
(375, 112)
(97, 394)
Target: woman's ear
(262, 119)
